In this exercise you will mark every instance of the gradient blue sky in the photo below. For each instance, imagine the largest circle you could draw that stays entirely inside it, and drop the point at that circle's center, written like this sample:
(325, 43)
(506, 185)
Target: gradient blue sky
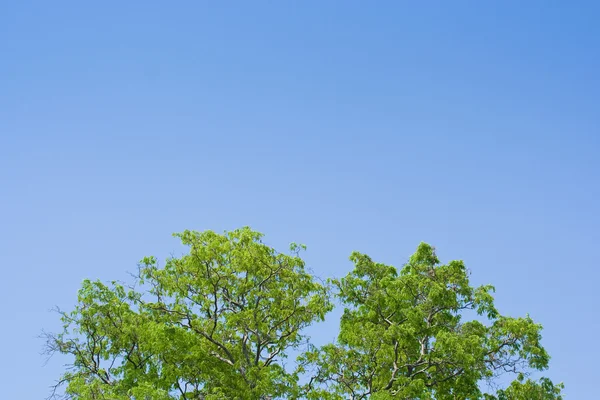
(342, 125)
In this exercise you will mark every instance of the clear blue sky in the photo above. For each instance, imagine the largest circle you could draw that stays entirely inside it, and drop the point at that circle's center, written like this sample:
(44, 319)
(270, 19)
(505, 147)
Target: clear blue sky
(342, 125)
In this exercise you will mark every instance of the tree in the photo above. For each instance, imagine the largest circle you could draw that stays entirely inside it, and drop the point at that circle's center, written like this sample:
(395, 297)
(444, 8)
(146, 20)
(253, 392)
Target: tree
(402, 336)
(220, 321)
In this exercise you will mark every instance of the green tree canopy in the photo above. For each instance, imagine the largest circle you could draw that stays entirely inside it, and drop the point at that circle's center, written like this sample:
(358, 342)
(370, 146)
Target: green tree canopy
(220, 321)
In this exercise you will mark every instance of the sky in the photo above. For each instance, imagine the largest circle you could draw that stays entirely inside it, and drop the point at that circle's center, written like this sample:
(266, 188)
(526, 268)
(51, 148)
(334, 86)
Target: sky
(369, 126)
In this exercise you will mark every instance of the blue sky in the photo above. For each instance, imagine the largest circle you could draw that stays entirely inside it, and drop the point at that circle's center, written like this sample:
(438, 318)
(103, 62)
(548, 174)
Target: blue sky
(346, 126)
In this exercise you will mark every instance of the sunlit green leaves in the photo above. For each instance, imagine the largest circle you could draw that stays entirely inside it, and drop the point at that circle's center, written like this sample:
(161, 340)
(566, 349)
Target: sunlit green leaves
(403, 335)
(219, 322)
(214, 324)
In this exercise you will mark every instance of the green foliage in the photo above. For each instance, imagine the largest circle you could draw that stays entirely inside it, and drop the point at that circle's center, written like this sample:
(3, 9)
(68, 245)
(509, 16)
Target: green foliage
(219, 322)
(402, 335)
(521, 389)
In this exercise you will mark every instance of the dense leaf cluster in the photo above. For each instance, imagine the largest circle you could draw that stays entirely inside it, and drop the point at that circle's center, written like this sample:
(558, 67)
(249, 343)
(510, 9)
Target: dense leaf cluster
(218, 323)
